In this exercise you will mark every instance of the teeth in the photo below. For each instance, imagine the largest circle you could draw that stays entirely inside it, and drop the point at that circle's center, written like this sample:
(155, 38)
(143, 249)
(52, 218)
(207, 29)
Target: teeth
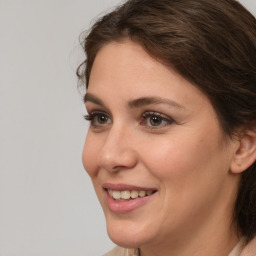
(126, 194)
(142, 193)
(134, 194)
(149, 192)
(116, 195)
(110, 191)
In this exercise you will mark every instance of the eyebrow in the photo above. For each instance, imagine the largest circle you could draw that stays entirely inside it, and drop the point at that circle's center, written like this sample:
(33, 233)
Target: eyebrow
(91, 98)
(140, 102)
(144, 101)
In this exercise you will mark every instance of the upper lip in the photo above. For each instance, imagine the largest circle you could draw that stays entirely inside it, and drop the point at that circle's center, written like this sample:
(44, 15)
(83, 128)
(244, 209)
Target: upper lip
(122, 187)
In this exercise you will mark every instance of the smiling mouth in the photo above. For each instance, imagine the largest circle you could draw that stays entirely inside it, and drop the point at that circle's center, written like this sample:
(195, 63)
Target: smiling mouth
(127, 195)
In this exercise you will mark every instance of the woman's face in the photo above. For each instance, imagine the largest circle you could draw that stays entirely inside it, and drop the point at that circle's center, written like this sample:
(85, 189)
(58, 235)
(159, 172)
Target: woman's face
(155, 151)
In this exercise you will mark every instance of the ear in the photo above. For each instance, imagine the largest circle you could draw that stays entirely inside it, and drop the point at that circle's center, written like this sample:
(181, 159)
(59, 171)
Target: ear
(245, 154)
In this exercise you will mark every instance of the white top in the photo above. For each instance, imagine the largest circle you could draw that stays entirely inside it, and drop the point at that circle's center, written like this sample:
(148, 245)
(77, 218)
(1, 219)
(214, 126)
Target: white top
(237, 249)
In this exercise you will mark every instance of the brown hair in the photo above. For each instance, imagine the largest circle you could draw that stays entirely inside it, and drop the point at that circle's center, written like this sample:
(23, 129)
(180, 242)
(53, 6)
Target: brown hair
(212, 43)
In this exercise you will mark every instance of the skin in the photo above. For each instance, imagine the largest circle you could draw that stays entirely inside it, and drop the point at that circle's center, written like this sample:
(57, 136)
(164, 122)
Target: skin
(184, 156)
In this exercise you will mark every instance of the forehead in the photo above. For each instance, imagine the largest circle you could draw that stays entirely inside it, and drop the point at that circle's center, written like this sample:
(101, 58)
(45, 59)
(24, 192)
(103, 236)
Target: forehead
(124, 59)
(126, 71)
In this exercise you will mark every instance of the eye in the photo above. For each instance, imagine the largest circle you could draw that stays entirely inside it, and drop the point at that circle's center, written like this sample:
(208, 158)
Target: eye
(98, 119)
(155, 120)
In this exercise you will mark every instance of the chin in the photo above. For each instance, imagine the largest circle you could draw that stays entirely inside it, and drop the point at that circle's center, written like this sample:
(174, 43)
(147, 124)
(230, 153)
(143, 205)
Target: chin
(128, 235)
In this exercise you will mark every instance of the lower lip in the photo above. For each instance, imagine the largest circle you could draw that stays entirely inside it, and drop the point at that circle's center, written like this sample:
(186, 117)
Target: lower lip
(126, 206)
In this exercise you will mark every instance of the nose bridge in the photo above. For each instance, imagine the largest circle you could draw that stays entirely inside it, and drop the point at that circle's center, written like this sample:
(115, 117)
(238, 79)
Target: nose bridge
(117, 151)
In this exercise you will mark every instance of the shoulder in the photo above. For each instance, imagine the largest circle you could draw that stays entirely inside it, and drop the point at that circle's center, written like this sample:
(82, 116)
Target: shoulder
(250, 248)
(119, 251)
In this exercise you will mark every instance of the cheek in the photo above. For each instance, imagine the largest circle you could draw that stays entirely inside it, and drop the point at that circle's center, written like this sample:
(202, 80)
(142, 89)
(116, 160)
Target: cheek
(183, 158)
(190, 171)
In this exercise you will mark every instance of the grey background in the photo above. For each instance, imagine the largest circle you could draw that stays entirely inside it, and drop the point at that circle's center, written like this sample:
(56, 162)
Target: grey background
(47, 203)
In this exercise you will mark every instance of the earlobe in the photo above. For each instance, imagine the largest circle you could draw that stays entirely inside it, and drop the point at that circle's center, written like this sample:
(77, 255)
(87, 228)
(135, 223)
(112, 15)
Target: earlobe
(245, 154)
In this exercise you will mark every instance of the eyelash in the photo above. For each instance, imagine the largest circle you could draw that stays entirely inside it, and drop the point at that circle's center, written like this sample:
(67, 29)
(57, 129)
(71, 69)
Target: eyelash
(151, 114)
(91, 117)
(144, 122)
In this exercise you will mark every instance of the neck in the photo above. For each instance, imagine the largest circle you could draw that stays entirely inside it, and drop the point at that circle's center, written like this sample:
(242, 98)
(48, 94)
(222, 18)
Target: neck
(214, 235)
(210, 232)
(214, 244)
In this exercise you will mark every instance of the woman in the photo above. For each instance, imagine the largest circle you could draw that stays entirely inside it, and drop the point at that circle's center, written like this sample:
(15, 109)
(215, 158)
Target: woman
(171, 148)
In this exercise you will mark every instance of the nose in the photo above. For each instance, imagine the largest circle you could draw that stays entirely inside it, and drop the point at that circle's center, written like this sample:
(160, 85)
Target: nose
(117, 152)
